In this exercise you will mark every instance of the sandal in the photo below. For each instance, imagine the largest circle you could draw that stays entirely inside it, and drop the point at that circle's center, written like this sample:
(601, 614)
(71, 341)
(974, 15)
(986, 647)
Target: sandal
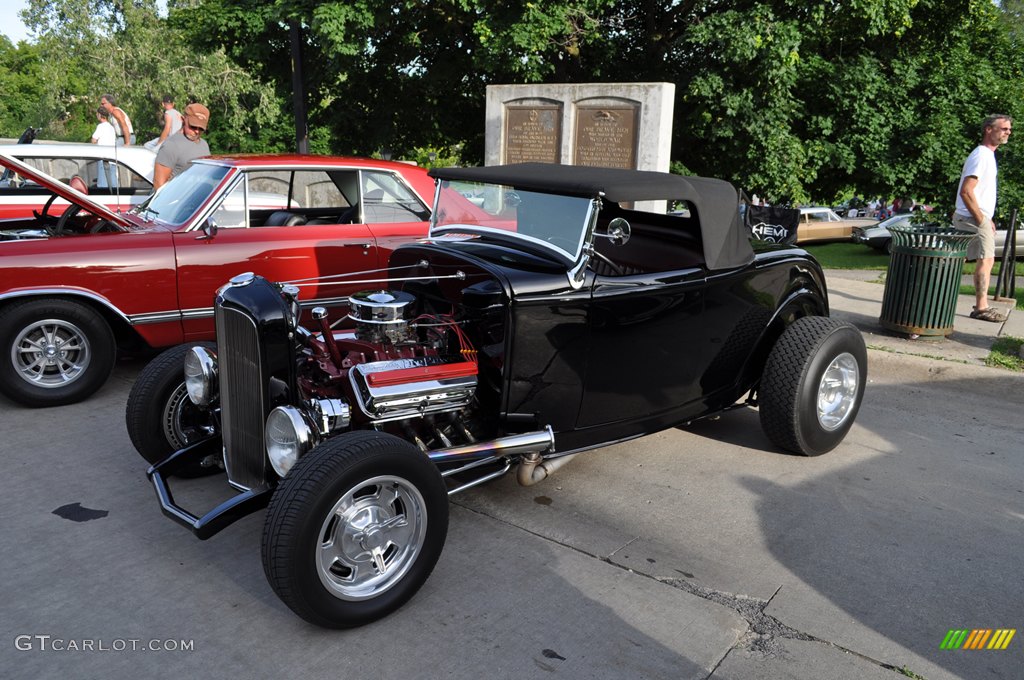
(988, 314)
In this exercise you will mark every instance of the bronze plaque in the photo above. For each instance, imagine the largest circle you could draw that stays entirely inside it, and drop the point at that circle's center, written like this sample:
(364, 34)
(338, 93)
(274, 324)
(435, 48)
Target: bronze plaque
(606, 136)
(533, 134)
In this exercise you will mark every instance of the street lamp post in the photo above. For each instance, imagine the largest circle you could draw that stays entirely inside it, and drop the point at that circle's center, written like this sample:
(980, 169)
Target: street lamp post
(298, 88)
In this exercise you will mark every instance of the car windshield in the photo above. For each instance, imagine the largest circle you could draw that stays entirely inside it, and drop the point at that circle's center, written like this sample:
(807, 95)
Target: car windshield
(179, 199)
(554, 222)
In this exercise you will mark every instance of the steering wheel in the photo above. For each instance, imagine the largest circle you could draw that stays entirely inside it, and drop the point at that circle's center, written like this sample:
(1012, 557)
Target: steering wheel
(604, 258)
(68, 213)
(43, 216)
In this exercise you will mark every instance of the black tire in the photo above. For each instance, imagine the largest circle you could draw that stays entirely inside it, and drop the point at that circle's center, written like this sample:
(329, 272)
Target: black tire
(888, 247)
(53, 351)
(793, 385)
(159, 415)
(364, 468)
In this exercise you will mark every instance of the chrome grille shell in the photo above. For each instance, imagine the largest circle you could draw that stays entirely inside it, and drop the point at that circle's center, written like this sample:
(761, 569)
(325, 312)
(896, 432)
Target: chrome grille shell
(242, 398)
(257, 372)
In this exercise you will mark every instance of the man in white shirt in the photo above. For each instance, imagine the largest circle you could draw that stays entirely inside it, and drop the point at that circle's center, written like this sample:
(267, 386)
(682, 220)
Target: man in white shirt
(975, 206)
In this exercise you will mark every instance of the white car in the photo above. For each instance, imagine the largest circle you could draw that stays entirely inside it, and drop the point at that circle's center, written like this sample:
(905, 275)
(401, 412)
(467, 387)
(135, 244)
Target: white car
(118, 177)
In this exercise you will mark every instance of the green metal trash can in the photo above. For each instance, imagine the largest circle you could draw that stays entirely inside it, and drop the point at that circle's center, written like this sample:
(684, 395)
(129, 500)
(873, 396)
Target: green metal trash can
(923, 281)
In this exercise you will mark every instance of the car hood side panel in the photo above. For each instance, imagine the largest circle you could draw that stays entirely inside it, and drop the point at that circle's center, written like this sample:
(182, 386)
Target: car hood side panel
(133, 272)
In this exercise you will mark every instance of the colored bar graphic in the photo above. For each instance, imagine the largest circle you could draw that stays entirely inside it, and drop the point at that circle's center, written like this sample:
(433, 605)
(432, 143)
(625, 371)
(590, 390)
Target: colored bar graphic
(1002, 638)
(954, 638)
(978, 638)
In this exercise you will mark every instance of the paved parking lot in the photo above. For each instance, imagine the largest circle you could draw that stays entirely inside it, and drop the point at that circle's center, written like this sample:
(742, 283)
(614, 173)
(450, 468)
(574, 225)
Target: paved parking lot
(698, 553)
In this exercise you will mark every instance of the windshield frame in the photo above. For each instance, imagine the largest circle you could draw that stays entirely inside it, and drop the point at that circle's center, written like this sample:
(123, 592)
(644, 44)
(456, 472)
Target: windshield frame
(512, 198)
(183, 186)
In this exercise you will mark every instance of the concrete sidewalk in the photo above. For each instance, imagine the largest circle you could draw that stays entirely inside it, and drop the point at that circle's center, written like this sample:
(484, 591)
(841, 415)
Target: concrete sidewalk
(856, 296)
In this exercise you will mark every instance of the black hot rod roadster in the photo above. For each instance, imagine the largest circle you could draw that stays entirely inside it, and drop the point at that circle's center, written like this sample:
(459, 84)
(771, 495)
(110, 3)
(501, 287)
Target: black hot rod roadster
(553, 309)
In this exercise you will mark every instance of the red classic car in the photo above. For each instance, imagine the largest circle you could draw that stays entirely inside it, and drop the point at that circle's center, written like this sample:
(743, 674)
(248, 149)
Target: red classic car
(77, 282)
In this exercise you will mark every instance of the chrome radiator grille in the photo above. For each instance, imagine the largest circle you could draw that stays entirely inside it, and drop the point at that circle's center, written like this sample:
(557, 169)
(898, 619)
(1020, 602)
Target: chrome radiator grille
(241, 397)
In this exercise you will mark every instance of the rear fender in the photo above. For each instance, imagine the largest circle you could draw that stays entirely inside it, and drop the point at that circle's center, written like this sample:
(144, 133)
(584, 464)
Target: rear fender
(804, 298)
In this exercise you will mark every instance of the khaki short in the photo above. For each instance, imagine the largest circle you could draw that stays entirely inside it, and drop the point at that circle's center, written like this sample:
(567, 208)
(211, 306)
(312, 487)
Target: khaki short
(983, 247)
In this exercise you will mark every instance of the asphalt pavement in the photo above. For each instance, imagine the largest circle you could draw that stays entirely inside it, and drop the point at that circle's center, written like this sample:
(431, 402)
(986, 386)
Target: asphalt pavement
(698, 552)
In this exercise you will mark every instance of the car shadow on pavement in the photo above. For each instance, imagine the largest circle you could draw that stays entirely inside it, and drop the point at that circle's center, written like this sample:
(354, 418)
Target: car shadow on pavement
(912, 541)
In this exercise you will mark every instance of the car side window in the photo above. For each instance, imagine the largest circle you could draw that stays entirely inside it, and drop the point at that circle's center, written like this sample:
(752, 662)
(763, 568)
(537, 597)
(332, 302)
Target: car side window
(295, 197)
(109, 174)
(316, 189)
(387, 199)
(230, 214)
(100, 176)
(268, 189)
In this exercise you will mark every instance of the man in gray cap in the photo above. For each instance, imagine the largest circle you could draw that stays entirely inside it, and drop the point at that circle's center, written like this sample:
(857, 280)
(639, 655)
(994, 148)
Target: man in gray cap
(182, 148)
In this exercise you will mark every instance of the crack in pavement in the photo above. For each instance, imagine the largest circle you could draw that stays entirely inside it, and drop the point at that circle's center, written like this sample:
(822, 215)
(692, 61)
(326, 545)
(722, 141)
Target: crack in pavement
(764, 629)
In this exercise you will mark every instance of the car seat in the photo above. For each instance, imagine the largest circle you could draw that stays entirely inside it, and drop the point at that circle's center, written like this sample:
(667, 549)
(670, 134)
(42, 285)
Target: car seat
(283, 218)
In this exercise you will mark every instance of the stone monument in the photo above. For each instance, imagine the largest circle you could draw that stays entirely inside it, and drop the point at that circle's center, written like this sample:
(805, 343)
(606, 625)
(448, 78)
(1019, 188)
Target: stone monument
(612, 125)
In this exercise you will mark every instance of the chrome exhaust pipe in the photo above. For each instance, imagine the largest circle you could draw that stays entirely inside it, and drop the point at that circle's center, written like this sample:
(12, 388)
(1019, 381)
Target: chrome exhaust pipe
(528, 442)
(533, 468)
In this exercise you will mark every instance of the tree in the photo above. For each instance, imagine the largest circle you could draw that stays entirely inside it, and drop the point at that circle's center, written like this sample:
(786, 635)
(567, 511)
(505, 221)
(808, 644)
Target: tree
(798, 100)
(401, 73)
(91, 47)
(22, 86)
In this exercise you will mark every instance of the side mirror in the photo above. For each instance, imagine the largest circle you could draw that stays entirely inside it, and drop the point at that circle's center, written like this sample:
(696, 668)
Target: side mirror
(618, 231)
(209, 230)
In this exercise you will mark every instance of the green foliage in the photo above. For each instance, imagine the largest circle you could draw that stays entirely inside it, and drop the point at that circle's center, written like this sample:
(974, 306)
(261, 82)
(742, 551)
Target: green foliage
(434, 157)
(22, 87)
(795, 100)
(87, 48)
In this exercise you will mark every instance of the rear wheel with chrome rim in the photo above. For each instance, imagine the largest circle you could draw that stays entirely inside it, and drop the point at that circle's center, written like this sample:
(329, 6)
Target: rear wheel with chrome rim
(54, 351)
(812, 385)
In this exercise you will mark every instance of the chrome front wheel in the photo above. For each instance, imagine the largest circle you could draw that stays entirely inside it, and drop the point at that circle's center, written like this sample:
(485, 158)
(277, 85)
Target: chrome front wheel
(354, 529)
(371, 537)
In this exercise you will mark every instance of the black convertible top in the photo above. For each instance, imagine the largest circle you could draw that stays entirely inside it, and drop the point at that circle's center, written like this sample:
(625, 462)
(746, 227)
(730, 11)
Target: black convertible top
(725, 239)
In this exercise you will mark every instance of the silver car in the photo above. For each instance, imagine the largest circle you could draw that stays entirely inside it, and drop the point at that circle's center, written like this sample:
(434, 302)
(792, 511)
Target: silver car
(880, 238)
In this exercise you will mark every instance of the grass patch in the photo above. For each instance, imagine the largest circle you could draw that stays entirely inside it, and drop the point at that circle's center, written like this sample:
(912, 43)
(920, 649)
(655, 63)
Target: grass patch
(1006, 354)
(1019, 294)
(1018, 268)
(859, 256)
(849, 256)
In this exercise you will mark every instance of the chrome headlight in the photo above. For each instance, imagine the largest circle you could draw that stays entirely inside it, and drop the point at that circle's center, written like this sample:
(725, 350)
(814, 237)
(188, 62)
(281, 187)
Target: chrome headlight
(201, 376)
(288, 436)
